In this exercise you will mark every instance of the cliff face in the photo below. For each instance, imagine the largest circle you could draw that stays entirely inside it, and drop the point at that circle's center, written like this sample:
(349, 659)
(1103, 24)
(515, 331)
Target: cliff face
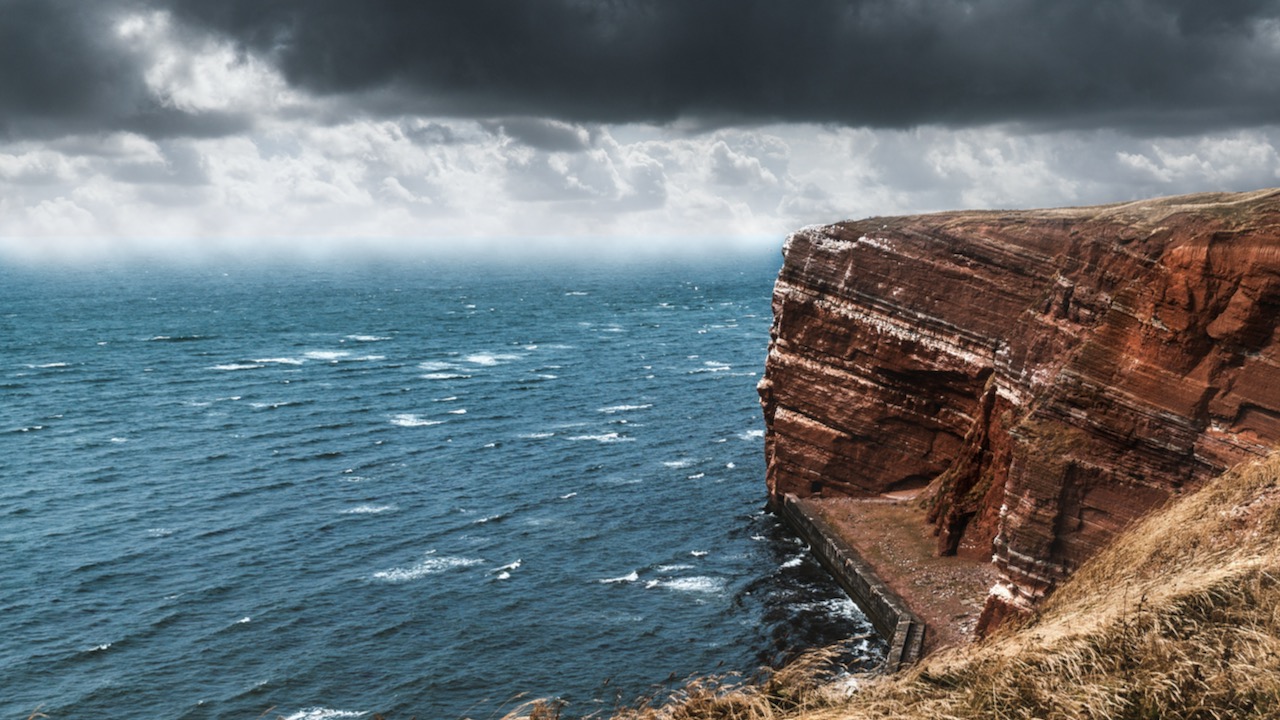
(1046, 377)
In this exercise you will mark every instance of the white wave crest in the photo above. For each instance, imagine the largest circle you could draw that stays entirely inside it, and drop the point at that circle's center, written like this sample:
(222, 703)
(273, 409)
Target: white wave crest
(428, 566)
(238, 366)
(751, 435)
(623, 408)
(628, 578)
(505, 568)
(271, 406)
(411, 420)
(489, 359)
(444, 376)
(330, 355)
(324, 714)
(695, 584)
(367, 338)
(677, 463)
(842, 608)
(605, 438)
(369, 509)
(281, 361)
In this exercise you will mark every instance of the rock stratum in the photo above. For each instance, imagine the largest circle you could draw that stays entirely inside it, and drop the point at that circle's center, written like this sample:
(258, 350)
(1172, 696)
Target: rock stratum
(1044, 377)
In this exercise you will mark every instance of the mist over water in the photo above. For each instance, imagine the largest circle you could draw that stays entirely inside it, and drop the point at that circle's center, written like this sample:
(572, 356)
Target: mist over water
(409, 489)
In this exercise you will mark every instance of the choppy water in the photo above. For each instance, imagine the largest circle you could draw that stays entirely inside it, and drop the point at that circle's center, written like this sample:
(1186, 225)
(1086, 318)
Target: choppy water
(416, 490)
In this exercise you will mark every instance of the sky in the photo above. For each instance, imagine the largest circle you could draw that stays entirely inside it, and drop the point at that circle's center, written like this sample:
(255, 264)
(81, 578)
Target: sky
(317, 129)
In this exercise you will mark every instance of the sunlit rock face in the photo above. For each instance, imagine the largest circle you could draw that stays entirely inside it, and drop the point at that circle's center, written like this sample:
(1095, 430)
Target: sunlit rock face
(1046, 377)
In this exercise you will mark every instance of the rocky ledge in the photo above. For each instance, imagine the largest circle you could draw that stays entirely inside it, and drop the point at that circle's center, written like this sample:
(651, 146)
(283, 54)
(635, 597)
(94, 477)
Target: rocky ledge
(1043, 378)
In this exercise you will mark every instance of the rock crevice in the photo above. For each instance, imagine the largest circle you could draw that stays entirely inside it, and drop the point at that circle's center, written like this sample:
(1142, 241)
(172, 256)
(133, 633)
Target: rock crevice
(1047, 376)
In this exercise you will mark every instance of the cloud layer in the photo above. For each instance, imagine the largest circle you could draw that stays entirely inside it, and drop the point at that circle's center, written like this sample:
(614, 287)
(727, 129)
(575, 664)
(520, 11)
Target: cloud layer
(1149, 66)
(183, 128)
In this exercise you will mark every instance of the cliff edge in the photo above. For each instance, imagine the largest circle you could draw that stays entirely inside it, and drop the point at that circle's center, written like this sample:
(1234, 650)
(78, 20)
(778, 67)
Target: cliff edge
(1043, 378)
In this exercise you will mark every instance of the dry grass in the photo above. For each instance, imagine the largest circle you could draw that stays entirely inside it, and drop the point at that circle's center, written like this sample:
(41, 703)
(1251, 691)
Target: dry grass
(800, 687)
(1180, 618)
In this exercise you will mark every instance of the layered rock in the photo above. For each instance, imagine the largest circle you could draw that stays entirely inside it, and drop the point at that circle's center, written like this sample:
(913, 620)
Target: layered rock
(1046, 377)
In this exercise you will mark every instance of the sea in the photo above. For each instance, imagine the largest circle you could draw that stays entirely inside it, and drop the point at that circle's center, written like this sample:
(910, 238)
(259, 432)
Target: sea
(431, 489)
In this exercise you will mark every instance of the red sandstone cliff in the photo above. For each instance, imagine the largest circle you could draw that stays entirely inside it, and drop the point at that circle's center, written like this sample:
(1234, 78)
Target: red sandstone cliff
(1047, 376)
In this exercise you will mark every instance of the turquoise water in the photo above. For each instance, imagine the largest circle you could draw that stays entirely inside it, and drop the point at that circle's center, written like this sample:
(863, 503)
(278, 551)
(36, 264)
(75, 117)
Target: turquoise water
(411, 490)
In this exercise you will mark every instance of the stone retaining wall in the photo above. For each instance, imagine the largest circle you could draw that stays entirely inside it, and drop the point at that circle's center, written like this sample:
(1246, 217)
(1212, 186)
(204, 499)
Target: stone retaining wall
(887, 612)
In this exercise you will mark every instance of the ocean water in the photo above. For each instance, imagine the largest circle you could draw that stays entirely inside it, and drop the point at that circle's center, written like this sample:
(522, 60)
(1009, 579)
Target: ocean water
(418, 490)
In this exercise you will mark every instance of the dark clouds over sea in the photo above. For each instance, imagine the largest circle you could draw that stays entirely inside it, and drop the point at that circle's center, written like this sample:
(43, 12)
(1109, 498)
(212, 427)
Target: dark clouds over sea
(1143, 66)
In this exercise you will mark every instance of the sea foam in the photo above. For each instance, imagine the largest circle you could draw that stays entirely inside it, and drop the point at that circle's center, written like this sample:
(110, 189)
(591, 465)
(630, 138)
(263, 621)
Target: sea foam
(489, 359)
(411, 420)
(330, 355)
(695, 584)
(319, 713)
(428, 566)
(624, 408)
(369, 509)
(604, 437)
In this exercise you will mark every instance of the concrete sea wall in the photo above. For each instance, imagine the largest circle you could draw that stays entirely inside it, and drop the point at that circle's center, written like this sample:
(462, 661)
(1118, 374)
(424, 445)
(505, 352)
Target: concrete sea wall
(887, 612)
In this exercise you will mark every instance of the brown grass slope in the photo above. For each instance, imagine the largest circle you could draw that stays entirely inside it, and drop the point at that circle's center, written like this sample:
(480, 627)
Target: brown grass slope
(1179, 618)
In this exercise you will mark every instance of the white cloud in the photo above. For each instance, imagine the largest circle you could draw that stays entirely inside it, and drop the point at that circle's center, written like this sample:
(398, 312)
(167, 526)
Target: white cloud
(61, 217)
(199, 73)
(35, 167)
(1240, 159)
(421, 184)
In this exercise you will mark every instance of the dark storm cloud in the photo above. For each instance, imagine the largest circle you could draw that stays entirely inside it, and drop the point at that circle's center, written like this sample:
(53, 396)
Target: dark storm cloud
(55, 68)
(1145, 65)
(543, 134)
(65, 69)
(1177, 65)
